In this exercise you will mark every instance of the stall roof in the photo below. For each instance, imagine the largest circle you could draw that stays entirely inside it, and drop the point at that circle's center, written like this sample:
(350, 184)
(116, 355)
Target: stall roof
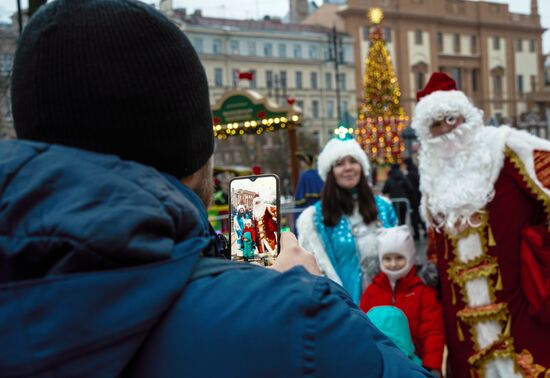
(244, 111)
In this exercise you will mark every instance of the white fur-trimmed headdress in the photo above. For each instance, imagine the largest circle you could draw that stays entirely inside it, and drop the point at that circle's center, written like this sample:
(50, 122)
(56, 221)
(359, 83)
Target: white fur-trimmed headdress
(439, 99)
(337, 149)
(396, 240)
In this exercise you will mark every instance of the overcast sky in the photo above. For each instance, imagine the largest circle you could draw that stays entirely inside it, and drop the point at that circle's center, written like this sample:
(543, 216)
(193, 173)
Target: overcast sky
(259, 8)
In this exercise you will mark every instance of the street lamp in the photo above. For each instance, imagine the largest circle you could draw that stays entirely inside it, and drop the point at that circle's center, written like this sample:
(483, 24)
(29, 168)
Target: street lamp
(336, 55)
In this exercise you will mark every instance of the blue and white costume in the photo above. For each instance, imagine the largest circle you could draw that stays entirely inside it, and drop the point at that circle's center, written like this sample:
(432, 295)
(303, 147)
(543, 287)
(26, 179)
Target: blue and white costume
(347, 253)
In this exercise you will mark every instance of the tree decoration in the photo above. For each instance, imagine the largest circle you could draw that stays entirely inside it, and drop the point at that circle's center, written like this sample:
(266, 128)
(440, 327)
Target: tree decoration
(381, 118)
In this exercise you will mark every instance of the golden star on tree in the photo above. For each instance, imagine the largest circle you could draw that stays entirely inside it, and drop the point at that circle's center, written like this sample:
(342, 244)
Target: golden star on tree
(376, 15)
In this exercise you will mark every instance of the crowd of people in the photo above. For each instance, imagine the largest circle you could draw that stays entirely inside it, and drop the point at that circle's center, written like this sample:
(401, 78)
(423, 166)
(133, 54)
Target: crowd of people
(109, 267)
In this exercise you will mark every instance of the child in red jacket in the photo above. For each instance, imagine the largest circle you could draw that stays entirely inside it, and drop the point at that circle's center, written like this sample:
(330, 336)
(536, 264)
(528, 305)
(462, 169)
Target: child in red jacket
(399, 284)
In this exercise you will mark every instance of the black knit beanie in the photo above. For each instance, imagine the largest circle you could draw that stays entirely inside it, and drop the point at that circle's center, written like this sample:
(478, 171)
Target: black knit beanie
(113, 76)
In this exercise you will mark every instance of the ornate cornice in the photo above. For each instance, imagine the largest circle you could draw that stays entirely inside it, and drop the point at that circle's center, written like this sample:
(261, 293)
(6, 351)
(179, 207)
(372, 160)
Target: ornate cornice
(446, 20)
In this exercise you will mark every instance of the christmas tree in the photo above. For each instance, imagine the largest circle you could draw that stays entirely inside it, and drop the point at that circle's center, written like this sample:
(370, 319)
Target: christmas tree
(381, 118)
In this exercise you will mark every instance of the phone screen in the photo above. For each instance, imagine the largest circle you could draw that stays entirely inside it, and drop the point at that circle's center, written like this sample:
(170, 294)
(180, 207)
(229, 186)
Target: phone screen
(255, 218)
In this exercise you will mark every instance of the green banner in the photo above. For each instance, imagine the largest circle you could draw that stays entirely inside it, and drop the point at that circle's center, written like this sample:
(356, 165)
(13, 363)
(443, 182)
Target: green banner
(239, 108)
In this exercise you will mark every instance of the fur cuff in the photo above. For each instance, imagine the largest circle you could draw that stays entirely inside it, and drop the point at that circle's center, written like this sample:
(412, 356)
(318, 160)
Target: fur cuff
(428, 274)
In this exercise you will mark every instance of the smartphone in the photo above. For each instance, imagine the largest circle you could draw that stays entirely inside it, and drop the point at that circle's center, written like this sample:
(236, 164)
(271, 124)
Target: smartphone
(254, 204)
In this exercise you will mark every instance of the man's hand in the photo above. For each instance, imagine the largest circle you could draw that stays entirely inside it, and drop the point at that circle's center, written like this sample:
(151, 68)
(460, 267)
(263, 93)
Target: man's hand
(293, 255)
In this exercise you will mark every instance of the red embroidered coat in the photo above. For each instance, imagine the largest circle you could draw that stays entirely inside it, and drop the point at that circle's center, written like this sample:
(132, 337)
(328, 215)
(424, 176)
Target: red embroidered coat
(266, 229)
(420, 304)
(515, 260)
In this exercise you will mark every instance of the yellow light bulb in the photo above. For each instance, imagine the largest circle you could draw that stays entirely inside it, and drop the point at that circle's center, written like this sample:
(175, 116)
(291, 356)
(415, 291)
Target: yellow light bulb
(376, 15)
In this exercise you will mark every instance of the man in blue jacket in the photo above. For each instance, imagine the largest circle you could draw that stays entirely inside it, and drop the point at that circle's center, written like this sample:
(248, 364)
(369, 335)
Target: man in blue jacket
(108, 266)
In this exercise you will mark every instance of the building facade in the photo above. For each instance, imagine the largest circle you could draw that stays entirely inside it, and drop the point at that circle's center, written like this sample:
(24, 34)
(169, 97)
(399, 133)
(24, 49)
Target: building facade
(288, 61)
(494, 55)
(8, 40)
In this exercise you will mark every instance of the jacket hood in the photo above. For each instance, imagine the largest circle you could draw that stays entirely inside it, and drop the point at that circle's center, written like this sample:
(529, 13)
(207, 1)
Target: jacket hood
(93, 251)
(392, 322)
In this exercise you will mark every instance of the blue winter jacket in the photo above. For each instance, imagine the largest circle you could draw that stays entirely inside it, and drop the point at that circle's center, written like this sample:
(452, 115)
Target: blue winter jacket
(95, 259)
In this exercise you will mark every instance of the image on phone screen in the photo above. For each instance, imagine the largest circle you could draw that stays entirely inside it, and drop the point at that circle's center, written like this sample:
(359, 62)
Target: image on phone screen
(255, 219)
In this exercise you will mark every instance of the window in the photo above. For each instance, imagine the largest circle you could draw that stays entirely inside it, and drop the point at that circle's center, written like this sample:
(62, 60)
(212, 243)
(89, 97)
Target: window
(235, 77)
(344, 112)
(497, 85)
(473, 44)
(496, 43)
(268, 49)
(282, 76)
(328, 81)
(345, 106)
(6, 64)
(199, 45)
(457, 76)
(7, 108)
(341, 54)
(234, 47)
(420, 80)
(317, 137)
(269, 79)
(342, 81)
(298, 79)
(519, 45)
(298, 51)
(439, 41)
(252, 48)
(253, 82)
(475, 74)
(218, 77)
(366, 33)
(300, 104)
(313, 80)
(418, 37)
(520, 84)
(217, 46)
(532, 45)
(313, 53)
(387, 35)
(533, 83)
(315, 108)
(456, 43)
(282, 50)
(330, 109)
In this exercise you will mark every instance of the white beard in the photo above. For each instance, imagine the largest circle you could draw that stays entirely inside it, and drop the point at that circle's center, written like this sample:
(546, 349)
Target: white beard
(458, 171)
(259, 211)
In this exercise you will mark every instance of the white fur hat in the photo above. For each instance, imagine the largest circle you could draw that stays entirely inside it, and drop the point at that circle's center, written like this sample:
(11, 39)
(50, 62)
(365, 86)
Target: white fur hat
(335, 150)
(437, 105)
(396, 240)
(440, 99)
